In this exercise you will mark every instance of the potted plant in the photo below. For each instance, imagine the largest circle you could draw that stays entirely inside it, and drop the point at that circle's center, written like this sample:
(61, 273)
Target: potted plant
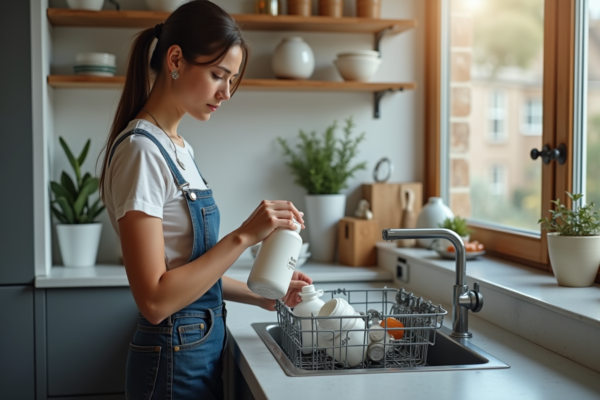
(78, 232)
(322, 166)
(457, 225)
(573, 242)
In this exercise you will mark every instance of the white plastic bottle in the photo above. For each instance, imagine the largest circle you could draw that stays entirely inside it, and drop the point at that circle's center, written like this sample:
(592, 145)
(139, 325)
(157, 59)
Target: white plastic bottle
(275, 263)
(310, 304)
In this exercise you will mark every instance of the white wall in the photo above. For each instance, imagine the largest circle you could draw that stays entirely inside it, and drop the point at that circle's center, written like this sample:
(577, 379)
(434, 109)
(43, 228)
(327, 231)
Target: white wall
(237, 150)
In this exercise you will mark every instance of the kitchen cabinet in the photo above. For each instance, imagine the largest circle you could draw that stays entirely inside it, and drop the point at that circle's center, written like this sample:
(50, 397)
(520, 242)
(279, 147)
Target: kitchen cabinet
(17, 371)
(88, 335)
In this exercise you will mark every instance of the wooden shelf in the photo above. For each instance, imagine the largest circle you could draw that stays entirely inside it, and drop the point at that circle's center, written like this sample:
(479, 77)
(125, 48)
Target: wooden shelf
(256, 22)
(86, 82)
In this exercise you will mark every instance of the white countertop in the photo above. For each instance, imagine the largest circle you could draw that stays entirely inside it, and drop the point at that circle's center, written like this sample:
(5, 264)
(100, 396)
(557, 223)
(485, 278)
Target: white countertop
(114, 275)
(534, 373)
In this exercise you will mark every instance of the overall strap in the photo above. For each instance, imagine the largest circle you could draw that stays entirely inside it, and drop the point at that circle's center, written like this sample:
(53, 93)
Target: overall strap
(179, 180)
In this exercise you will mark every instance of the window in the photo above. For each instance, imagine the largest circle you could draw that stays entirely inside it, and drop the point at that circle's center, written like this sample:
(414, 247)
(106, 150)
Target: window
(532, 117)
(508, 67)
(497, 116)
(497, 180)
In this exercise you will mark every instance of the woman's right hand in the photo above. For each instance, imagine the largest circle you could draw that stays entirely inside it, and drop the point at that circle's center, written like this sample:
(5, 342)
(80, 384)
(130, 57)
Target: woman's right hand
(268, 216)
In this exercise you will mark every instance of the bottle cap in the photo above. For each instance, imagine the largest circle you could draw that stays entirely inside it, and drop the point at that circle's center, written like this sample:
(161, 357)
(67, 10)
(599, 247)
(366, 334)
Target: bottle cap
(308, 289)
(297, 225)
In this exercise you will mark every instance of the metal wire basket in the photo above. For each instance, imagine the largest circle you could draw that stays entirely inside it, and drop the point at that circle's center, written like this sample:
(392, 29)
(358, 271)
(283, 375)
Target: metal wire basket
(309, 347)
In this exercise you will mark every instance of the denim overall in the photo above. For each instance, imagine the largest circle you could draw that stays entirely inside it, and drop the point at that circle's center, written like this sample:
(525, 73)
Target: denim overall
(181, 357)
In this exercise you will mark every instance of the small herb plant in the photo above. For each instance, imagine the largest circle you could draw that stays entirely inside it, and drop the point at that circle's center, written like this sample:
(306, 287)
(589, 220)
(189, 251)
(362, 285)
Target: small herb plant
(73, 197)
(456, 224)
(584, 221)
(322, 164)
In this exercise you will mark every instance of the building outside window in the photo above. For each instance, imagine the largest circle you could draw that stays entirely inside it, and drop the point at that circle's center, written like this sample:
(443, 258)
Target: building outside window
(531, 123)
(497, 116)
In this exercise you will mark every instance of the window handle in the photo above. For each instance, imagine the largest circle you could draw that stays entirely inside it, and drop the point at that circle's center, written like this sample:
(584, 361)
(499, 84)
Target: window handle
(559, 154)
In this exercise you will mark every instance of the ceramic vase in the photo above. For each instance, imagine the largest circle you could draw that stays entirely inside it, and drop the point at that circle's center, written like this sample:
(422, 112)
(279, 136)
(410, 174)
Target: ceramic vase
(574, 259)
(293, 59)
(92, 5)
(322, 214)
(78, 244)
(432, 214)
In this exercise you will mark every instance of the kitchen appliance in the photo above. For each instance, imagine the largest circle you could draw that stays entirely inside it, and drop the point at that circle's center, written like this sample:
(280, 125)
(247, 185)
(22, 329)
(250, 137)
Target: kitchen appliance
(420, 318)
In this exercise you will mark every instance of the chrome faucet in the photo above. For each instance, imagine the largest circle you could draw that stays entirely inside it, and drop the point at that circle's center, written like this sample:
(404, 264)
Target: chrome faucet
(463, 299)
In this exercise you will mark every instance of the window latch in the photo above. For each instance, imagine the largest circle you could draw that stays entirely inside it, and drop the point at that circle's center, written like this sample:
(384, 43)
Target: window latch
(559, 154)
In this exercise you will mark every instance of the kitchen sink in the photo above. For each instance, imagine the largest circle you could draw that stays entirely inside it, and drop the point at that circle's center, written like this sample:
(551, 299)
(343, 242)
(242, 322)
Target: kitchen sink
(448, 354)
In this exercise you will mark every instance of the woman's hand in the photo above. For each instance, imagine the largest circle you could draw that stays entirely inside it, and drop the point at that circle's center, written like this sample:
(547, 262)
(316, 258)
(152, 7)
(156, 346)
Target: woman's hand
(268, 216)
(292, 297)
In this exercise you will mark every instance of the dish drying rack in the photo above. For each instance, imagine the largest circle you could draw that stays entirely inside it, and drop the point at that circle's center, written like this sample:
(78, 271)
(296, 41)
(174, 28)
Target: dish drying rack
(420, 318)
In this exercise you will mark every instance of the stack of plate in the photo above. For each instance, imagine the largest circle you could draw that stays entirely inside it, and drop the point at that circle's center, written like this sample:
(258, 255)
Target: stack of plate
(359, 65)
(97, 64)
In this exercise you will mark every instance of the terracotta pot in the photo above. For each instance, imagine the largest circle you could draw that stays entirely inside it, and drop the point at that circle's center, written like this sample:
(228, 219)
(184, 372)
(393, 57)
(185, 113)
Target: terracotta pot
(299, 7)
(331, 8)
(368, 8)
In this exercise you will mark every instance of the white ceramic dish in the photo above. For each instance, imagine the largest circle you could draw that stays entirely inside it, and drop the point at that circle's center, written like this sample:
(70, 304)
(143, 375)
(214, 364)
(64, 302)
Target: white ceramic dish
(93, 5)
(450, 255)
(364, 53)
(164, 5)
(357, 69)
(105, 59)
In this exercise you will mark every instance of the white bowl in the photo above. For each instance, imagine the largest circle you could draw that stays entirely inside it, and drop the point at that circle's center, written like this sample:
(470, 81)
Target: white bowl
(94, 5)
(164, 5)
(106, 59)
(364, 53)
(357, 69)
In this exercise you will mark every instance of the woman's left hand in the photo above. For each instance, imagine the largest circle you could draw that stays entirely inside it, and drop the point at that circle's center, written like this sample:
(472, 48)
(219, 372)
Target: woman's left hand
(292, 297)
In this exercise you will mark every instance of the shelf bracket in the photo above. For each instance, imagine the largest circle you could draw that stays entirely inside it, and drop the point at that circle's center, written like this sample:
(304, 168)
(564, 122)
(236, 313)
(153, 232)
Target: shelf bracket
(378, 36)
(377, 96)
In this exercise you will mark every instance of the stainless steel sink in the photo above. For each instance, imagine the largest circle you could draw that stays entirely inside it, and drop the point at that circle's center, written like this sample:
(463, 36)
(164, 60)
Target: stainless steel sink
(448, 354)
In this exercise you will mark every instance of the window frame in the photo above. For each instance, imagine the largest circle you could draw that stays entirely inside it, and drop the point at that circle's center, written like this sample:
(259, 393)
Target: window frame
(557, 116)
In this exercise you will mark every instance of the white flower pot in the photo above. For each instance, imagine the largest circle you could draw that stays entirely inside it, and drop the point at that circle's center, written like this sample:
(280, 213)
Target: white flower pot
(432, 214)
(322, 215)
(574, 259)
(79, 244)
(293, 59)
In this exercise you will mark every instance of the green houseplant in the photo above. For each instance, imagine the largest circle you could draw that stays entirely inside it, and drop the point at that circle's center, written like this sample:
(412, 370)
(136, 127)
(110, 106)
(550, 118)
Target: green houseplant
(322, 165)
(78, 231)
(457, 225)
(573, 242)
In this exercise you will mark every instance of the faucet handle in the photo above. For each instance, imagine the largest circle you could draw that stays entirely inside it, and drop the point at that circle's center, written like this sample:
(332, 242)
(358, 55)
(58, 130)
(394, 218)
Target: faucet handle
(479, 297)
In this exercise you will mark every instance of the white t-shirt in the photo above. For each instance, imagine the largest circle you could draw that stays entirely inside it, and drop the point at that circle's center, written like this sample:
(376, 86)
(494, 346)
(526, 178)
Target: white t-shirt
(139, 178)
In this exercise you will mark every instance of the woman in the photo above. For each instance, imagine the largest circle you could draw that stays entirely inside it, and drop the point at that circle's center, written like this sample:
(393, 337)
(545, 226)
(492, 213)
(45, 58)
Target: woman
(165, 214)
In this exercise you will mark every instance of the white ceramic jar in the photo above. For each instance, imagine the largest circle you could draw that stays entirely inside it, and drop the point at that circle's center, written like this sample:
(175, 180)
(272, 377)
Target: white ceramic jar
(275, 263)
(92, 5)
(432, 214)
(293, 59)
(309, 306)
(164, 5)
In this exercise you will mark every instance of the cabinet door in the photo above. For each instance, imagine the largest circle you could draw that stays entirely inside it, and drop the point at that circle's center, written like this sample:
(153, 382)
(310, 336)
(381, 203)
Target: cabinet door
(17, 373)
(89, 331)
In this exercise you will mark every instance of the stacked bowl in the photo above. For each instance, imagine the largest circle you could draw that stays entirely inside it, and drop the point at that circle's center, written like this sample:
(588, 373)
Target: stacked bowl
(96, 64)
(358, 65)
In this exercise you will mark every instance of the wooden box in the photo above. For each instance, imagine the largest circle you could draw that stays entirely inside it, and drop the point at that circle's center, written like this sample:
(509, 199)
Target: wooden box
(386, 202)
(356, 241)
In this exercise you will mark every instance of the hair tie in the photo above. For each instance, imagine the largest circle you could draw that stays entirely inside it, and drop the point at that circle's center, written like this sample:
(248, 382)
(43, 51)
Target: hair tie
(158, 30)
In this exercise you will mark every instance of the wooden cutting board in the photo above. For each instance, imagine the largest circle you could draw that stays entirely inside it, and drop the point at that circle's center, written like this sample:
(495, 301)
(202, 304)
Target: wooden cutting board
(386, 201)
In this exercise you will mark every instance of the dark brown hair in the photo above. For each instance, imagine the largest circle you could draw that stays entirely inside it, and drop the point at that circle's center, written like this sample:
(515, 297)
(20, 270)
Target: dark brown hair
(200, 28)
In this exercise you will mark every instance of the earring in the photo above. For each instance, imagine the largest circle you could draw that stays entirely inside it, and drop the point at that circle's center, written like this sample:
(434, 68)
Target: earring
(174, 74)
